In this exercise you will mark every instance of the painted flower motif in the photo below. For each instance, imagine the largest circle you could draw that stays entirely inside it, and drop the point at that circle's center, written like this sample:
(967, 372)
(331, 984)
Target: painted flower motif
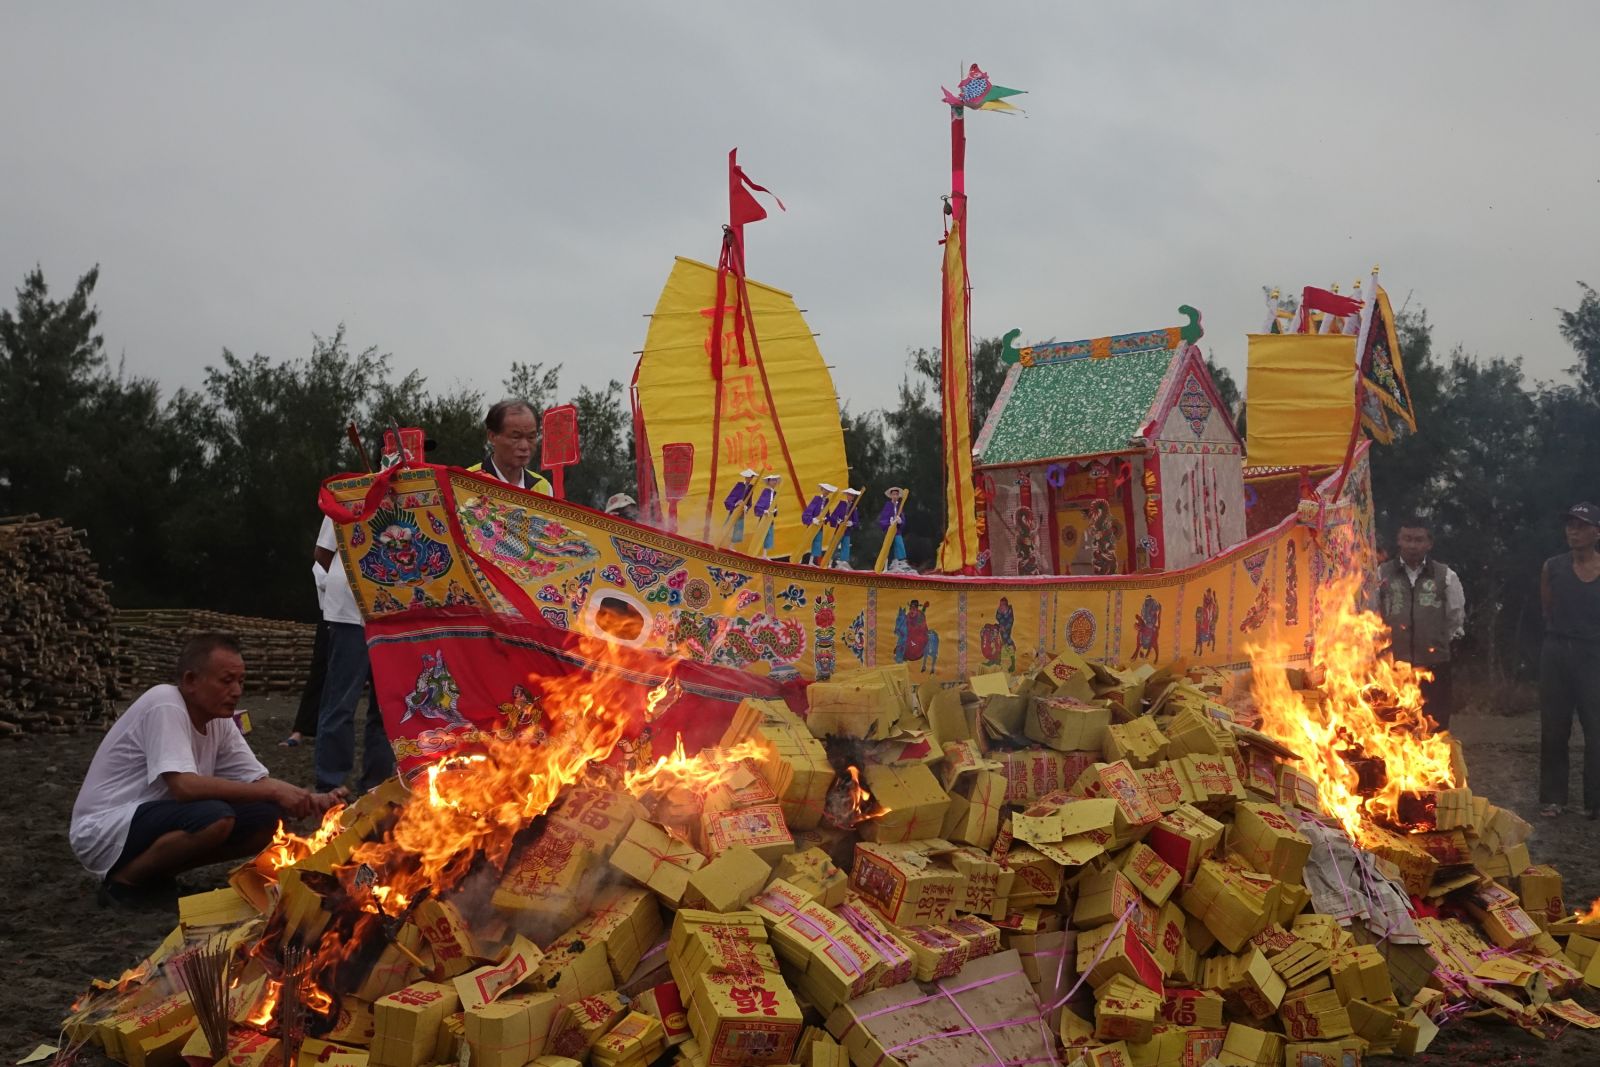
(824, 617)
(677, 579)
(697, 594)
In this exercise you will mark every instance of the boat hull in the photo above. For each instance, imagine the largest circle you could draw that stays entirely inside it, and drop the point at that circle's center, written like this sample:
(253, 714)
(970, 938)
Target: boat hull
(468, 583)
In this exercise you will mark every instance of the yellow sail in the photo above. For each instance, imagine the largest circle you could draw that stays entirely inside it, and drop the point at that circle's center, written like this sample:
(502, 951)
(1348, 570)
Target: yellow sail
(774, 409)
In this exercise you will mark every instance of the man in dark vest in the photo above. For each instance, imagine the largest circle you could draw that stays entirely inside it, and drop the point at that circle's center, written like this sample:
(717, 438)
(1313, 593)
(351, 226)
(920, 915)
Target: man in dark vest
(1422, 602)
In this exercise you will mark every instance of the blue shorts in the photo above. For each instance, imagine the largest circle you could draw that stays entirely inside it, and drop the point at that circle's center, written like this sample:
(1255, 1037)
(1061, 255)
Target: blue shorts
(154, 819)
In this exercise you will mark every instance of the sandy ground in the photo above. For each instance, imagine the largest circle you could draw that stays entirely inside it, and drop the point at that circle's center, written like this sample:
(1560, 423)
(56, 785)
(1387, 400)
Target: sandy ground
(53, 937)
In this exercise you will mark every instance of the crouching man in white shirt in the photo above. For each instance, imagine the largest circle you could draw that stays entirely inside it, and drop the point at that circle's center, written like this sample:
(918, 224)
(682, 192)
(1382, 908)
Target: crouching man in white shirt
(175, 786)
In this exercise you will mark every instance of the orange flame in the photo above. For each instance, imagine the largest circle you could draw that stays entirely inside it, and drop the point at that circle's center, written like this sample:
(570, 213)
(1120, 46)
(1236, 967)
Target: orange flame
(287, 847)
(315, 998)
(269, 1004)
(1369, 706)
(695, 773)
(1593, 914)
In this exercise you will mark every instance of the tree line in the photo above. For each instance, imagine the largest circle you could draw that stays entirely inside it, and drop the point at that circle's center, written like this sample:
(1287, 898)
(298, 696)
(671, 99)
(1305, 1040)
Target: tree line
(205, 497)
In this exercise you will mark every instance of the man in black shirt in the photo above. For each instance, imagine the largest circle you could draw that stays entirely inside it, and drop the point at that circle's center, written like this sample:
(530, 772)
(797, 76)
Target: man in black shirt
(1569, 664)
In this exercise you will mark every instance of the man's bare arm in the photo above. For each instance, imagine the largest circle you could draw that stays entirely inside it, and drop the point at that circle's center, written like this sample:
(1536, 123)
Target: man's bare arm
(297, 802)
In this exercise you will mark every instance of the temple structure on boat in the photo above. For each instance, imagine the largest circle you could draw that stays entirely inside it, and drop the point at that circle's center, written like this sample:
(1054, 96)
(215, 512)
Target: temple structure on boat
(1114, 455)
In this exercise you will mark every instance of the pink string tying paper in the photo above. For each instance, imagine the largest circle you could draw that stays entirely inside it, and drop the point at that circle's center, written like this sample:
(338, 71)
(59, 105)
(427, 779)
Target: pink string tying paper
(846, 957)
(1105, 946)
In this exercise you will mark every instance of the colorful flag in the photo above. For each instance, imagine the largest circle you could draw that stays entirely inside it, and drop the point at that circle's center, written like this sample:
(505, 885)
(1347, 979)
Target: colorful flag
(958, 551)
(1375, 417)
(976, 92)
(1382, 374)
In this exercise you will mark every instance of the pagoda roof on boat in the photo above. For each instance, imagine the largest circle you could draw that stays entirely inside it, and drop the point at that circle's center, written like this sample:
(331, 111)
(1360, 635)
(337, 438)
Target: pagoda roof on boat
(1078, 398)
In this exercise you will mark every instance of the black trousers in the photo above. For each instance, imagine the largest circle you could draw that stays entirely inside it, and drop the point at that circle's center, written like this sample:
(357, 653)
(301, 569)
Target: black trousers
(305, 718)
(1438, 696)
(1569, 685)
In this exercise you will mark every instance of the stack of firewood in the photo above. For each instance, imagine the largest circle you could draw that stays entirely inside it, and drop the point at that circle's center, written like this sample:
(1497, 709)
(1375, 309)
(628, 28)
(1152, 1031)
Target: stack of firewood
(56, 647)
(277, 652)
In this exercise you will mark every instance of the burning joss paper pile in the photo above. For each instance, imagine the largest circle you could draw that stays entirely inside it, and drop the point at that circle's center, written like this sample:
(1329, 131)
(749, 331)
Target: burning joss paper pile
(1072, 865)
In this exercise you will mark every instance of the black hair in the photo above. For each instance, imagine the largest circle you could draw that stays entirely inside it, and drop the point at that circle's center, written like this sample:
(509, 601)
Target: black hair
(197, 651)
(495, 421)
(1414, 522)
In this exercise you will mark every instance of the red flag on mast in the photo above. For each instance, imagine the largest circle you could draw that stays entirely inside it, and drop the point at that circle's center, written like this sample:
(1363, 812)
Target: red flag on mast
(743, 207)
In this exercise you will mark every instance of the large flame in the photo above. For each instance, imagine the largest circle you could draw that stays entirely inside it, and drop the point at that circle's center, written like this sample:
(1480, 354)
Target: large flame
(1367, 712)
(287, 847)
(474, 804)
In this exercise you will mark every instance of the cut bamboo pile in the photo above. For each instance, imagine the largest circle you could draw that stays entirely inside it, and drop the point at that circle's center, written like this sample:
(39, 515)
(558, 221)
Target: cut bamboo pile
(57, 670)
(277, 652)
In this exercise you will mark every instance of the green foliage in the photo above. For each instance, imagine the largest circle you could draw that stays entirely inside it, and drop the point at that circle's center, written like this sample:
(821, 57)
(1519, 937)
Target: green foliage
(207, 496)
(1581, 329)
(605, 445)
(52, 365)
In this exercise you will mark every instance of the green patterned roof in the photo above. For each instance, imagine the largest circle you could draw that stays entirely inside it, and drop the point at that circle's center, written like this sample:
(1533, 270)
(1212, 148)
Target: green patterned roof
(1071, 403)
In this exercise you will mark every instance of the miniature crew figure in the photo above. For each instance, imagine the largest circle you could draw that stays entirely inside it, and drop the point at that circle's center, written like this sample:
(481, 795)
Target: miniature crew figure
(766, 510)
(891, 520)
(844, 514)
(813, 516)
(623, 506)
(174, 785)
(737, 503)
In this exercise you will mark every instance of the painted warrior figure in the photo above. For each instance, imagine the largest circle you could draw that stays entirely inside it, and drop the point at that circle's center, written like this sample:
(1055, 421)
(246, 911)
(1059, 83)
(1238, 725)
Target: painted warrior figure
(891, 520)
(1102, 537)
(812, 516)
(844, 513)
(737, 502)
(766, 510)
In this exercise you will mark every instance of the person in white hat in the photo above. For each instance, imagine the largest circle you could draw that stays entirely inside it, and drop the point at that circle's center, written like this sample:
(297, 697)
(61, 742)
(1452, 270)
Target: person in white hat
(623, 506)
(845, 513)
(812, 516)
(891, 520)
(767, 501)
(737, 503)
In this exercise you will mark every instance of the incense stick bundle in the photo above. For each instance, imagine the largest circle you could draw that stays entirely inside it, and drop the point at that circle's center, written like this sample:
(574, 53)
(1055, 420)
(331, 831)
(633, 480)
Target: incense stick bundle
(291, 1009)
(203, 973)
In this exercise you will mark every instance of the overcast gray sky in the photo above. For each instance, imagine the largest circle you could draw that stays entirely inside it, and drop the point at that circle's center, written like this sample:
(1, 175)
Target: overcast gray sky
(465, 185)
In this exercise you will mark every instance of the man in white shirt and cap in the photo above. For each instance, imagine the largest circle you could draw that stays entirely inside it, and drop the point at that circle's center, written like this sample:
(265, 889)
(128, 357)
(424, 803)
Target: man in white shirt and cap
(174, 785)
